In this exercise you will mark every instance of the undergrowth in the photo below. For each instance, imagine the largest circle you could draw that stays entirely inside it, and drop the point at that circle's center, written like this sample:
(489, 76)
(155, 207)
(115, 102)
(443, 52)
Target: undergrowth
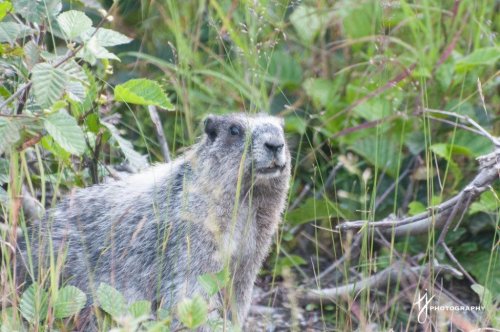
(364, 88)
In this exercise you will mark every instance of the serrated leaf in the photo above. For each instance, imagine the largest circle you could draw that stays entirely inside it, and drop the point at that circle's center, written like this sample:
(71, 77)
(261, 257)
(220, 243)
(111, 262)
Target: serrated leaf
(34, 303)
(74, 23)
(66, 132)
(31, 54)
(92, 51)
(106, 37)
(142, 92)
(74, 71)
(192, 312)
(140, 309)
(111, 301)
(76, 91)
(70, 300)
(9, 134)
(48, 84)
(135, 159)
(37, 11)
(10, 31)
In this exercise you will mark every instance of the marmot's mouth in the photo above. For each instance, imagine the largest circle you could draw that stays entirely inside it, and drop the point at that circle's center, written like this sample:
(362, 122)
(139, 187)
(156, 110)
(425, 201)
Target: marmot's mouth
(271, 169)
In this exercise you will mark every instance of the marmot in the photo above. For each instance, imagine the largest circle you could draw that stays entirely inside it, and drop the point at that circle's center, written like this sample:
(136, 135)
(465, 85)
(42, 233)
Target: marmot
(152, 234)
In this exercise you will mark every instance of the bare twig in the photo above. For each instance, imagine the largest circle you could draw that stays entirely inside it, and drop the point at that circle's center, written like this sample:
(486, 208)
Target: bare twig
(457, 263)
(437, 216)
(153, 113)
(465, 118)
(393, 272)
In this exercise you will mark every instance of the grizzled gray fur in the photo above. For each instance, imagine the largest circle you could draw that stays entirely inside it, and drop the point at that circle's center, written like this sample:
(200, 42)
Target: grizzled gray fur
(152, 234)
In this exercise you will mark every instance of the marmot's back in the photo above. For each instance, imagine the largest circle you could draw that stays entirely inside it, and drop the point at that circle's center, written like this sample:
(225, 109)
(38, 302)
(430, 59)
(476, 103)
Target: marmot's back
(152, 234)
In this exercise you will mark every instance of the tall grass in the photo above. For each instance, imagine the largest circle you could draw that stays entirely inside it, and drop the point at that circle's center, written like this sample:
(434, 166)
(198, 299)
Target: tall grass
(352, 80)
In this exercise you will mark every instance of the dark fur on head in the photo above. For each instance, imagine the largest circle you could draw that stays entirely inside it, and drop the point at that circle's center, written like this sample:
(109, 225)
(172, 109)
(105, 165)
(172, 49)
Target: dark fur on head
(152, 234)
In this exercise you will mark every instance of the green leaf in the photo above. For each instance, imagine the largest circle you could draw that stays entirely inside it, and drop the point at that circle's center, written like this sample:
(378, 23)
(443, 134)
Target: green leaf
(282, 68)
(142, 92)
(10, 31)
(287, 262)
(140, 309)
(308, 22)
(136, 160)
(415, 208)
(9, 134)
(480, 57)
(9, 319)
(323, 93)
(484, 295)
(111, 301)
(50, 145)
(4, 196)
(295, 124)
(312, 209)
(487, 203)
(48, 84)
(74, 71)
(34, 303)
(92, 51)
(380, 151)
(447, 151)
(5, 7)
(192, 312)
(214, 282)
(4, 171)
(37, 11)
(31, 54)
(485, 266)
(374, 108)
(70, 300)
(66, 132)
(106, 37)
(74, 23)
(475, 144)
(360, 19)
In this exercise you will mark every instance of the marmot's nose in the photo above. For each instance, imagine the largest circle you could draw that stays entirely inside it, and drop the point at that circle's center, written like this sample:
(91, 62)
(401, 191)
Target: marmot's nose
(274, 146)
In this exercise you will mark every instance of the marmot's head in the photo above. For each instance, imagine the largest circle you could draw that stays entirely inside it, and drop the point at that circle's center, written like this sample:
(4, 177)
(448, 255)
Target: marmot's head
(256, 142)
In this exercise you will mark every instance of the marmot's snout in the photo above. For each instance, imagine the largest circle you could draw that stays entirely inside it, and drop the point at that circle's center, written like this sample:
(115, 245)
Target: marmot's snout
(270, 152)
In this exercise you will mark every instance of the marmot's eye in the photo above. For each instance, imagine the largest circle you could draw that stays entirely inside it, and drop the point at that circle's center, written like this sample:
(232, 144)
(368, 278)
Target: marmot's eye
(234, 130)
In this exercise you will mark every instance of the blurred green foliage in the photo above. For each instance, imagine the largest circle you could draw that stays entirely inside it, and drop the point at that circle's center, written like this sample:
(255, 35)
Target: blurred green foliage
(353, 79)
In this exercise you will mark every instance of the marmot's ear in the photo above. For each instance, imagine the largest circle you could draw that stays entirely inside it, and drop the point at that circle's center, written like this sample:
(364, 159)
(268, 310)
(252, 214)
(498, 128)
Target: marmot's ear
(211, 126)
